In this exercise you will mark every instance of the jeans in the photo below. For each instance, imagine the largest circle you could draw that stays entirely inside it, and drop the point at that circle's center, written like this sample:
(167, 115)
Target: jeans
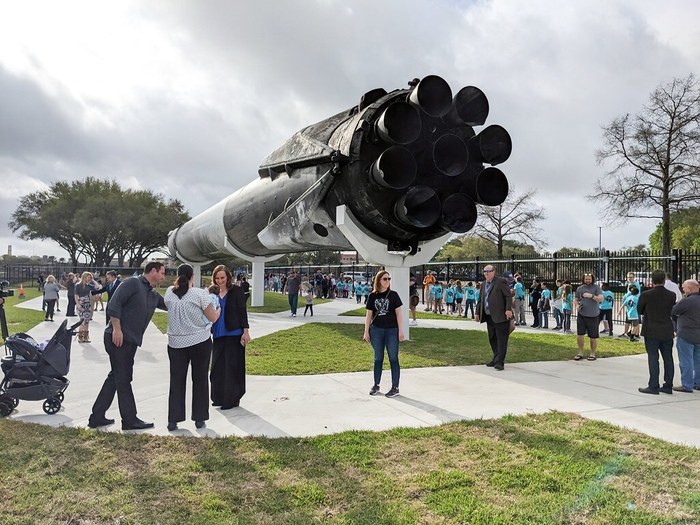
(544, 318)
(558, 317)
(689, 363)
(293, 300)
(388, 338)
(653, 347)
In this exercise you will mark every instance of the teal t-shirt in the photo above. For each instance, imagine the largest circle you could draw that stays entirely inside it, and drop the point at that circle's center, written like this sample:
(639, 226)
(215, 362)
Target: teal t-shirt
(608, 300)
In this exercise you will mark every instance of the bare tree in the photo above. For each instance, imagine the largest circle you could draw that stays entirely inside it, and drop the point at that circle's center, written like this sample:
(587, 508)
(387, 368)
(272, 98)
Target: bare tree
(653, 158)
(516, 218)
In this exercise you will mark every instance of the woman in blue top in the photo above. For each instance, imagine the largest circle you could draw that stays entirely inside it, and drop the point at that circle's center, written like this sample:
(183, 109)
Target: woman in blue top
(231, 336)
(567, 300)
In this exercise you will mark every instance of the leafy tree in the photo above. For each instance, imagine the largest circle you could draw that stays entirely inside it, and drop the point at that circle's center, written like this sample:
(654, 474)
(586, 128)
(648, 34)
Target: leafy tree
(653, 158)
(515, 220)
(685, 230)
(97, 219)
(469, 247)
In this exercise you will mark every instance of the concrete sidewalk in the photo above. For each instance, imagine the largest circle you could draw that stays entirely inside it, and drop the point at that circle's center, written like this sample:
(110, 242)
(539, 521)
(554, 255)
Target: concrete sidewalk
(277, 406)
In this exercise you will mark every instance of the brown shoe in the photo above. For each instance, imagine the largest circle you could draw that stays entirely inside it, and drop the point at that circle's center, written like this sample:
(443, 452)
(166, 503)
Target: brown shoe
(682, 389)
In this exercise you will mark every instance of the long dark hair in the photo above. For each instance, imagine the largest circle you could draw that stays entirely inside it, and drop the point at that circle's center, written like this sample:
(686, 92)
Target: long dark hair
(182, 284)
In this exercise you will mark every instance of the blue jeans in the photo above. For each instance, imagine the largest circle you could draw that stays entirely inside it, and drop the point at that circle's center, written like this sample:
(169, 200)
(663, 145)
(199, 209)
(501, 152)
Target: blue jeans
(293, 300)
(388, 338)
(558, 317)
(544, 318)
(653, 348)
(689, 363)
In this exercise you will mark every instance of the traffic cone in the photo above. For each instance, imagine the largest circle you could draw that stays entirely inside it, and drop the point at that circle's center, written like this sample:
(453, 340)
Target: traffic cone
(21, 291)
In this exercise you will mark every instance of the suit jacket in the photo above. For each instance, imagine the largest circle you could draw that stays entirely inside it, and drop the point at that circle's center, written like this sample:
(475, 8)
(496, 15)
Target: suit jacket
(113, 289)
(235, 313)
(656, 305)
(500, 300)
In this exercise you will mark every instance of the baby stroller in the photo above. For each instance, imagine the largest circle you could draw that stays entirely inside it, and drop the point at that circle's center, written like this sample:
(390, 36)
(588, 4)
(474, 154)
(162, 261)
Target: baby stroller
(33, 373)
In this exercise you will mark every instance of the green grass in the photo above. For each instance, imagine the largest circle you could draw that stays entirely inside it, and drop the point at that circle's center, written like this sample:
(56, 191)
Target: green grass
(274, 303)
(539, 469)
(420, 314)
(23, 319)
(321, 348)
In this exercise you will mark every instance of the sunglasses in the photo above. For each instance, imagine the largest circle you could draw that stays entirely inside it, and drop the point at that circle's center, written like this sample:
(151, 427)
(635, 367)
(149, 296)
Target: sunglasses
(386, 278)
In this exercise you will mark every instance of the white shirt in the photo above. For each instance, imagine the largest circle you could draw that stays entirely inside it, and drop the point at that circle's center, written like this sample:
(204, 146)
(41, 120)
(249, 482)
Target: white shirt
(186, 324)
(670, 285)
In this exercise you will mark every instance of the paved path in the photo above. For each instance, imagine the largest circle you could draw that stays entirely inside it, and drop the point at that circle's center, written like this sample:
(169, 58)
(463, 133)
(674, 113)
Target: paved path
(322, 404)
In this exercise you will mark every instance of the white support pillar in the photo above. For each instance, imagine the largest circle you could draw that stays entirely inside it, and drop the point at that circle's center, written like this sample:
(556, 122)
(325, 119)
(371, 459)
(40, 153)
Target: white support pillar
(257, 292)
(375, 250)
(257, 285)
(197, 275)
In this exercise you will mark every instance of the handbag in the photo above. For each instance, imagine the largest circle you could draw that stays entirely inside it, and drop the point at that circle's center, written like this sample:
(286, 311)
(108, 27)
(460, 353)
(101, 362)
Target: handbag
(511, 327)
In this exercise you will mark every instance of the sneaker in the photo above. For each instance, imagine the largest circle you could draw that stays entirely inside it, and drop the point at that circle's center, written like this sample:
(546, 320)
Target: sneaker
(392, 393)
(603, 331)
(374, 390)
(611, 334)
(413, 322)
(568, 332)
(622, 336)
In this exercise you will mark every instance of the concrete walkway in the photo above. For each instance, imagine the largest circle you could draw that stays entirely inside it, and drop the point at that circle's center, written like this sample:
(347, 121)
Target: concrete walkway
(277, 406)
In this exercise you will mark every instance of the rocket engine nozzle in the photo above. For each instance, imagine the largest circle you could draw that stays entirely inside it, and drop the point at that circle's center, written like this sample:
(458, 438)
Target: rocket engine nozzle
(407, 163)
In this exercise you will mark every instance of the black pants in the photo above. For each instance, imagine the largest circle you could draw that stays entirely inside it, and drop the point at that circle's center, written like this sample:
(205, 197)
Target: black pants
(654, 347)
(70, 310)
(536, 315)
(227, 372)
(498, 339)
(181, 359)
(50, 306)
(118, 382)
(309, 307)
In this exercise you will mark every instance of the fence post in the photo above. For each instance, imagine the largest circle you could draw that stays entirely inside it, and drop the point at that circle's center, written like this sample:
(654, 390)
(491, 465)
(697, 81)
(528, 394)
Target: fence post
(676, 264)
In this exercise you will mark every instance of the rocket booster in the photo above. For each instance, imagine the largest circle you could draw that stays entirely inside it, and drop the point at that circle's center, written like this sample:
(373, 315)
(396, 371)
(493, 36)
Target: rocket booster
(407, 164)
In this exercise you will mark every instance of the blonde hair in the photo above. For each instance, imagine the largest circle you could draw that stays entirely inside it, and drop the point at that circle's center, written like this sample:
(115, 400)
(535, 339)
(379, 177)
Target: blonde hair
(50, 279)
(86, 277)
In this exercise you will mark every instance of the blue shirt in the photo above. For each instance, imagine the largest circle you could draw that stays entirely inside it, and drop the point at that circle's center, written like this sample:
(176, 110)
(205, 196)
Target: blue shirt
(519, 291)
(219, 328)
(608, 299)
(630, 301)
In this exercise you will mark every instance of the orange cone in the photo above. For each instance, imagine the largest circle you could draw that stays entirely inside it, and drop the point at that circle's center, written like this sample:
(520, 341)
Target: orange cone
(21, 291)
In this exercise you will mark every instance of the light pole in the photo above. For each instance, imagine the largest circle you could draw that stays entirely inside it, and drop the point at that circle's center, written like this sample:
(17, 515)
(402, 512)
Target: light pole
(600, 252)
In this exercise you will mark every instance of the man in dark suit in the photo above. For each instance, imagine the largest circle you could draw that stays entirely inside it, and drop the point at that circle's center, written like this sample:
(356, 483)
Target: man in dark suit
(656, 305)
(495, 309)
(113, 283)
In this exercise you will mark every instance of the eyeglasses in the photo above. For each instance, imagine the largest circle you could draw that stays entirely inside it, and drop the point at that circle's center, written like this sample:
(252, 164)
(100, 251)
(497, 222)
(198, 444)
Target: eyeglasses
(386, 278)
(488, 271)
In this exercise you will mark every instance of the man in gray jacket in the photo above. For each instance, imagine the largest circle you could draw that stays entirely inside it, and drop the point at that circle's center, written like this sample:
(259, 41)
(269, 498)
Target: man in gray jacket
(686, 314)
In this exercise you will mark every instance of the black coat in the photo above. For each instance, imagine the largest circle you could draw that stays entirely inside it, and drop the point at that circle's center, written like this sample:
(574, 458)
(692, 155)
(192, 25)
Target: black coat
(235, 313)
(656, 305)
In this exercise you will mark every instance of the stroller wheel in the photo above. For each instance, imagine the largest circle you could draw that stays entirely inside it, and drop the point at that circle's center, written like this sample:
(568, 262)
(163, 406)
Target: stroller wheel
(52, 405)
(9, 400)
(60, 397)
(5, 409)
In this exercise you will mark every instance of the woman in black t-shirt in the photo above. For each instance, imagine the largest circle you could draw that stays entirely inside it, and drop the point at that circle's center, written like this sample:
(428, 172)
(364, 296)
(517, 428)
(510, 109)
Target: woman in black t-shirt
(383, 330)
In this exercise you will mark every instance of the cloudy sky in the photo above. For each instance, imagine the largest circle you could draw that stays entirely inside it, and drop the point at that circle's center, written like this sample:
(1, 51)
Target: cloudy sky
(187, 97)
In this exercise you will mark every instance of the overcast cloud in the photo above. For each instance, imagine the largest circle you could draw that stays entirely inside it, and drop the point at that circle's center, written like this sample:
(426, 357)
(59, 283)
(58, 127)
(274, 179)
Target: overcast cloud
(187, 97)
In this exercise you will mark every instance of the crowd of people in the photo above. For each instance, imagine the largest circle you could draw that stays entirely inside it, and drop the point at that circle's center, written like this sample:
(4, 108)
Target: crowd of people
(208, 330)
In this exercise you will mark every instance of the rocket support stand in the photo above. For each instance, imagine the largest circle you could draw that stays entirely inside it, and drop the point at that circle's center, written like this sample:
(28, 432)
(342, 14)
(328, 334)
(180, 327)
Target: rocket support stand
(375, 250)
(257, 286)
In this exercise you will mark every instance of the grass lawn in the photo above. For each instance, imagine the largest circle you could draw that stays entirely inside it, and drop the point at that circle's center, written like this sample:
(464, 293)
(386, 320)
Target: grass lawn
(539, 469)
(320, 348)
(420, 314)
(23, 319)
(274, 303)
